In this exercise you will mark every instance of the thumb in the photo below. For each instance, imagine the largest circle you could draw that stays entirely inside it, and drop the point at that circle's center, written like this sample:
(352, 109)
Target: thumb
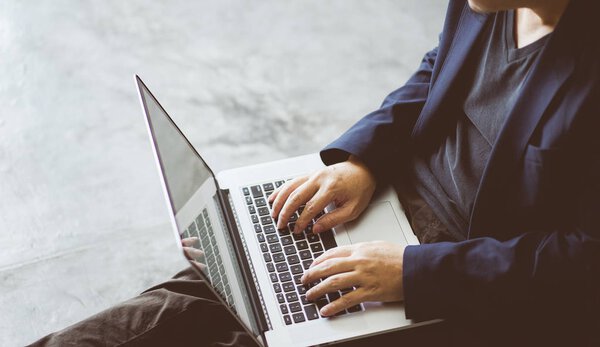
(333, 218)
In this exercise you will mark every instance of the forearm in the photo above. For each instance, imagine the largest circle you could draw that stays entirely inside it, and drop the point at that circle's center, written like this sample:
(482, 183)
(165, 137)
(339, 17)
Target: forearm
(482, 277)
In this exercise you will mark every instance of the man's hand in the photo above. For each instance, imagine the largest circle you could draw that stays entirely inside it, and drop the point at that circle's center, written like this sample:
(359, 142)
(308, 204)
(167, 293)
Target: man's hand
(349, 185)
(374, 268)
(193, 253)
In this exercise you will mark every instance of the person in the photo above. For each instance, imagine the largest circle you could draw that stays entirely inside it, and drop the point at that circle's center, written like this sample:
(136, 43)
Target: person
(491, 145)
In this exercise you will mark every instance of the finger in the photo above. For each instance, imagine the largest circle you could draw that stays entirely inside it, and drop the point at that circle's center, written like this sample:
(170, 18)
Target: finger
(337, 252)
(283, 194)
(189, 241)
(192, 253)
(200, 266)
(327, 268)
(331, 219)
(315, 205)
(295, 199)
(332, 284)
(348, 300)
(276, 191)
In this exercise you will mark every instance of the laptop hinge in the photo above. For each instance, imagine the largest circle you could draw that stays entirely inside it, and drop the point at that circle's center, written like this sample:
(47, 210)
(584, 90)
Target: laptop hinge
(248, 275)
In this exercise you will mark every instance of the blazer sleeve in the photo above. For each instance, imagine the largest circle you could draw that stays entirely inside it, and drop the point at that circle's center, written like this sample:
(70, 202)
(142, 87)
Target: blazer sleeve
(557, 270)
(385, 133)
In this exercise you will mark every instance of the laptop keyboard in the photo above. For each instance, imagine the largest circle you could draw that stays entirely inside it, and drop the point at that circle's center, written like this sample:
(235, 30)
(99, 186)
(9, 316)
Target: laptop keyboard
(287, 255)
(202, 229)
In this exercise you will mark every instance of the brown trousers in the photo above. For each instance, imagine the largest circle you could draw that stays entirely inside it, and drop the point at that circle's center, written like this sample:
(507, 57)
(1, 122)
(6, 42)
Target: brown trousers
(184, 312)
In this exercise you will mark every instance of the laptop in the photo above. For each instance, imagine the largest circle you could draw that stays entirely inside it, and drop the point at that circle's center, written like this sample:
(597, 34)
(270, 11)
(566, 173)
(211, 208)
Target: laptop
(224, 219)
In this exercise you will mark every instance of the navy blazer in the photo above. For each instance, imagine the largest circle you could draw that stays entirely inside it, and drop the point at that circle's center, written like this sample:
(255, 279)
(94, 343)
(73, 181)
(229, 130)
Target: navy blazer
(534, 233)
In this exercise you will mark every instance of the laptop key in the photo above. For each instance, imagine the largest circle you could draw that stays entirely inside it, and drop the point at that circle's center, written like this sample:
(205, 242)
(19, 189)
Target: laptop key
(288, 287)
(257, 228)
(246, 191)
(355, 308)
(316, 247)
(285, 276)
(278, 257)
(290, 297)
(289, 250)
(273, 277)
(346, 290)
(279, 183)
(268, 186)
(260, 202)
(333, 296)
(283, 308)
(277, 287)
(248, 200)
(251, 209)
(316, 255)
(275, 247)
(265, 220)
(306, 264)
(260, 237)
(297, 279)
(293, 218)
(296, 269)
(311, 237)
(256, 191)
(287, 319)
(269, 229)
(270, 267)
(305, 254)
(322, 303)
(283, 231)
(286, 240)
(311, 312)
(280, 298)
(295, 307)
(263, 247)
(267, 257)
(281, 267)
(254, 218)
(299, 237)
(293, 259)
(301, 289)
(298, 317)
(302, 245)
(303, 300)
(272, 238)
(328, 239)
(263, 211)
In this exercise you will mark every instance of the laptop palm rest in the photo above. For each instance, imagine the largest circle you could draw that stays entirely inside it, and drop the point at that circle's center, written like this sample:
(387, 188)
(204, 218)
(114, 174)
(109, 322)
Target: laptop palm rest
(377, 222)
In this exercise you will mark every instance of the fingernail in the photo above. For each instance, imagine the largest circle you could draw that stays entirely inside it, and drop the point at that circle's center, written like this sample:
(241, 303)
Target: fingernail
(317, 228)
(325, 311)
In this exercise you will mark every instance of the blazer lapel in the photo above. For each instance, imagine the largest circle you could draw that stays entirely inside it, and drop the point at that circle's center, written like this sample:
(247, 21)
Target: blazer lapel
(469, 29)
(555, 64)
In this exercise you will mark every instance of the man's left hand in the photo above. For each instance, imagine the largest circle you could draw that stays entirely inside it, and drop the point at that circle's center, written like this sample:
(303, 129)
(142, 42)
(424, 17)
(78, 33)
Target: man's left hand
(374, 268)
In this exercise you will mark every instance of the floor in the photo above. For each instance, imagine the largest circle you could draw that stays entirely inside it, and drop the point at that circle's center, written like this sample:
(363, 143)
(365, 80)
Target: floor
(83, 223)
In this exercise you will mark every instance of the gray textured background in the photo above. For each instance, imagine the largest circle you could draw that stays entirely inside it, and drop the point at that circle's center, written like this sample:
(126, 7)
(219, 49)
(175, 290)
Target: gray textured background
(83, 223)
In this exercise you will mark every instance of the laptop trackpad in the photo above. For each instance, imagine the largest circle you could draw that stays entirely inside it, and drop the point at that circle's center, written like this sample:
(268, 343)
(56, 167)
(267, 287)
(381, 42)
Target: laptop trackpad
(377, 222)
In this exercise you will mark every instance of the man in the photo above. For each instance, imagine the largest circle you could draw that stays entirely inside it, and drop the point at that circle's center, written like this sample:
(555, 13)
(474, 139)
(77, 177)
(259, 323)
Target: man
(495, 132)
(491, 145)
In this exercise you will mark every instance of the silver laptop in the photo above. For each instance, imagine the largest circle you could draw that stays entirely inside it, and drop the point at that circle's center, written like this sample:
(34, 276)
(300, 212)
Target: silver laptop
(254, 268)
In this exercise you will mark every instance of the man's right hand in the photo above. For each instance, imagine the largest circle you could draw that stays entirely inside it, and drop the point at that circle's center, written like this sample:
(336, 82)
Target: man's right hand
(349, 185)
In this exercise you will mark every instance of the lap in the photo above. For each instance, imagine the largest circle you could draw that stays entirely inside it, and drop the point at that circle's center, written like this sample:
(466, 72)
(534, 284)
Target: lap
(182, 311)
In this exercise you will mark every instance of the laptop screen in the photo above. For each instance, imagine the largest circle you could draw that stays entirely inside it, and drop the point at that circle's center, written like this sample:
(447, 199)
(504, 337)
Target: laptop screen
(192, 192)
(183, 169)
